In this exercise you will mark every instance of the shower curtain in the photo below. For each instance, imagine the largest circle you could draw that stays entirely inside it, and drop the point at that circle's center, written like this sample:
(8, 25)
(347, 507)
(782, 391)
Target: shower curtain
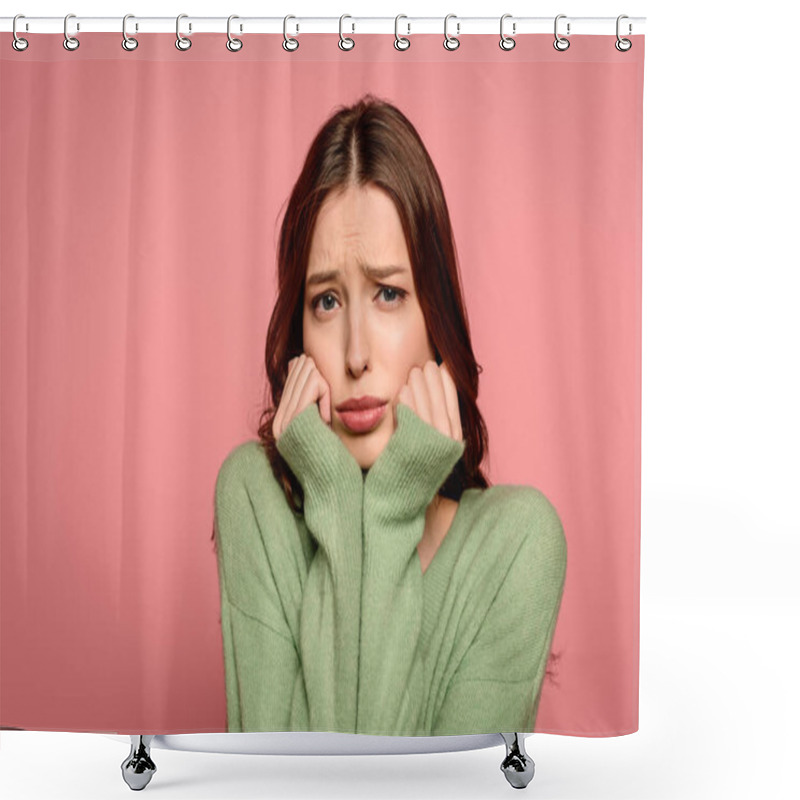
(156, 576)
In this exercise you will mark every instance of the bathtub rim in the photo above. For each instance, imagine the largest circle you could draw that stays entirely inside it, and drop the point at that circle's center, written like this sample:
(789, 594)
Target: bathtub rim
(316, 743)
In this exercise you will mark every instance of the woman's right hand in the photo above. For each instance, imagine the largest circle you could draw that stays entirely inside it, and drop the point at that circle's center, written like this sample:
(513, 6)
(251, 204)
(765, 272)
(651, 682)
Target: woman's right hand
(304, 385)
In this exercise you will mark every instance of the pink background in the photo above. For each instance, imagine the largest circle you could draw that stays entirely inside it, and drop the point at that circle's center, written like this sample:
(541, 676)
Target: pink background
(140, 204)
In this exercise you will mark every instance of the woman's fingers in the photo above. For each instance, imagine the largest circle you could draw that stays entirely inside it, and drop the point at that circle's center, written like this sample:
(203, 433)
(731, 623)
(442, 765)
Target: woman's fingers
(304, 385)
(405, 396)
(432, 394)
(439, 412)
(315, 390)
(325, 401)
(451, 400)
(302, 369)
(280, 415)
(419, 390)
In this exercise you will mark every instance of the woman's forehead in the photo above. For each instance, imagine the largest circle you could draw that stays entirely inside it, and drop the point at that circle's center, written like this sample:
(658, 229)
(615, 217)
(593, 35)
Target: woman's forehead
(373, 272)
(358, 213)
(358, 234)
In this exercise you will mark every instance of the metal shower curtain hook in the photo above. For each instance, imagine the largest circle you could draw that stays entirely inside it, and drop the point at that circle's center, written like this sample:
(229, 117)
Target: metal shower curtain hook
(400, 42)
(623, 45)
(128, 42)
(234, 45)
(560, 42)
(345, 43)
(17, 42)
(451, 42)
(182, 43)
(70, 42)
(507, 42)
(290, 44)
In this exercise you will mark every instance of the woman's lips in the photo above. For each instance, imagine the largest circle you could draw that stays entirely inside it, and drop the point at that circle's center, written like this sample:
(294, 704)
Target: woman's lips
(364, 420)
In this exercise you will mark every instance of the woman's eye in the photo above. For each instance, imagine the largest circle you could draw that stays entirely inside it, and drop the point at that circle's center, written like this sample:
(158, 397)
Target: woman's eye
(322, 297)
(398, 294)
(392, 296)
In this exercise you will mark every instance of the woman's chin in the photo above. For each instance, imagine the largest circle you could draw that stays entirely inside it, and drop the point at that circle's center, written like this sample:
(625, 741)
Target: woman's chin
(366, 447)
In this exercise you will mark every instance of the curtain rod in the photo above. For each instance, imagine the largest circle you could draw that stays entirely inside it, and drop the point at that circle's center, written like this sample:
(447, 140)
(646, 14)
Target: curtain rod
(407, 26)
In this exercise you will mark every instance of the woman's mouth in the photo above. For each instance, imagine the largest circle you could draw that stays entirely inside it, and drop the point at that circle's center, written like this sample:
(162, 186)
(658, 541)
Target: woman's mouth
(363, 420)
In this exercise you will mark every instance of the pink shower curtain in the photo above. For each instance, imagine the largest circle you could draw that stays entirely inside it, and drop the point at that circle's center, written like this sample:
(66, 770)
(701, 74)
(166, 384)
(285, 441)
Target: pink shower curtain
(141, 196)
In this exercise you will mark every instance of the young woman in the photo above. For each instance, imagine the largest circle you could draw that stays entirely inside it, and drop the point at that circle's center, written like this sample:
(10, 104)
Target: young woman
(371, 580)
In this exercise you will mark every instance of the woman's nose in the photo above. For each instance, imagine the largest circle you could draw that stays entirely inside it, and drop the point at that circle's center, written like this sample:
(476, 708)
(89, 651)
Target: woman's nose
(357, 355)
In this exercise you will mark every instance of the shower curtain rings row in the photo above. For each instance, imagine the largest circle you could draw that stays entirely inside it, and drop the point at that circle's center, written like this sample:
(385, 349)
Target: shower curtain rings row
(291, 43)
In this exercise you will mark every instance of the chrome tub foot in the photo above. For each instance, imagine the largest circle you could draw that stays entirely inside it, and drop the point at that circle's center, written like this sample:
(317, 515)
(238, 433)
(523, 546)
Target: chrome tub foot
(138, 768)
(517, 766)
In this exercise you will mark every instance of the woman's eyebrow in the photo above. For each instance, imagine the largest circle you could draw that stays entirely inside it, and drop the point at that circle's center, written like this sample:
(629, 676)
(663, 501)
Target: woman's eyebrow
(369, 270)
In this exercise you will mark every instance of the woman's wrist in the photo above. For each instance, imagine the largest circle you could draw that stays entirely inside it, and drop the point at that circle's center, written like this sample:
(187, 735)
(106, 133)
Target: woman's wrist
(318, 458)
(412, 467)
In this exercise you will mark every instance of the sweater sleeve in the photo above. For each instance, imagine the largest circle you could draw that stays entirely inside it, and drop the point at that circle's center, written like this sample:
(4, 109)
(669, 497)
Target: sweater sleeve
(330, 613)
(260, 658)
(398, 488)
(497, 685)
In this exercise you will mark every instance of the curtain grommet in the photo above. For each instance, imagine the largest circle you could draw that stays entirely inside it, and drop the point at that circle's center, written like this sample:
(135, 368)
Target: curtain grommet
(451, 42)
(17, 42)
(400, 42)
(70, 42)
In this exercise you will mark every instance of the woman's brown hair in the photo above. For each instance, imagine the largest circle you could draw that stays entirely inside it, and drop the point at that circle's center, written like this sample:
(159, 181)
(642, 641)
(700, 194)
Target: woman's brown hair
(373, 143)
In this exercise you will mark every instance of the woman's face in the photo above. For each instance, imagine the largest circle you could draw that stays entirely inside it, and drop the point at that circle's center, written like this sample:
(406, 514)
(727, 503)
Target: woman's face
(364, 331)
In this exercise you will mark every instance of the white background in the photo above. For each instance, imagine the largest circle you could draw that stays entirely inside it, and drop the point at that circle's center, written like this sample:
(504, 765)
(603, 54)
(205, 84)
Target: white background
(719, 561)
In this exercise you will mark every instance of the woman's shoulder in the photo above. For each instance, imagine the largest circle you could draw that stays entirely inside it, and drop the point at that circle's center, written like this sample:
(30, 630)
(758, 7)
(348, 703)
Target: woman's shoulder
(242, 459)
(246, 472)
(513, 510)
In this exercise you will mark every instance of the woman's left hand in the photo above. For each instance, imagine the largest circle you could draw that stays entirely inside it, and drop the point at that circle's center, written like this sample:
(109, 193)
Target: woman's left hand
(431, 393)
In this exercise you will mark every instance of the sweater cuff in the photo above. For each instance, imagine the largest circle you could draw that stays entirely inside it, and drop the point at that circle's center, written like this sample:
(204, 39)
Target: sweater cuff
(318, 458)
(412, 467)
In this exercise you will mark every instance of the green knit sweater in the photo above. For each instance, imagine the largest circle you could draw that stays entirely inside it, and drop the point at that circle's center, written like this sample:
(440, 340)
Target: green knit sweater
(328, 622)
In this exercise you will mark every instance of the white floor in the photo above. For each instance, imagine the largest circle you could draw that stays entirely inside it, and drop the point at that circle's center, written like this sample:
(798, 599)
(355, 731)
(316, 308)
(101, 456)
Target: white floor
(718, 701)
